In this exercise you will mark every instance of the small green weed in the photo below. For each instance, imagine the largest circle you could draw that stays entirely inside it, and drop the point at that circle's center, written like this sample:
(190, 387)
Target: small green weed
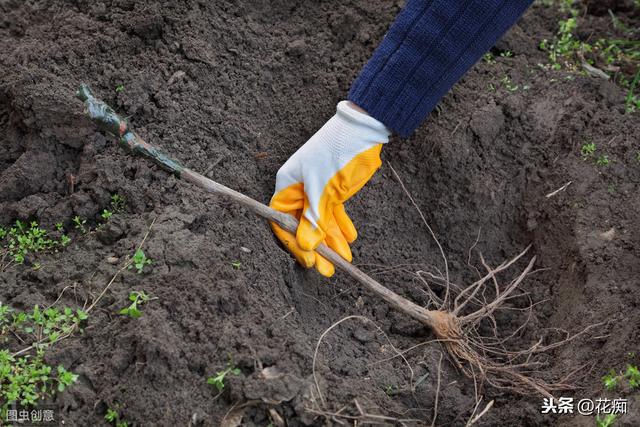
(506, 82)
(218, 379)
(46, 325)
(565, 46)
(139, 260)
(118, 203)
(65, 378)
(25, 238)
(65, 240)
(137, 298)
(112, 416)
(106, 215)
(588, 150)
(489, 58)
(610, 381)
(506, 54)
(236, 264)
(26, 379)
(565, 50)
(80, 224)
(607, 421)
(119, 88)
(632, 374)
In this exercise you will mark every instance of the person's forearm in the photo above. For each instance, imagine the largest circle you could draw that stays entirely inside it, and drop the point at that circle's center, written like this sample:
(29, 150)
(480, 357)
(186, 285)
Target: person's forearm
(429, 47)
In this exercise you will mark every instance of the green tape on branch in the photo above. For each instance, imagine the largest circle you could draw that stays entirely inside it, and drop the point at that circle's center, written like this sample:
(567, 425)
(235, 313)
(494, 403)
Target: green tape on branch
(137, 145)
(109, 121)
(101, 114)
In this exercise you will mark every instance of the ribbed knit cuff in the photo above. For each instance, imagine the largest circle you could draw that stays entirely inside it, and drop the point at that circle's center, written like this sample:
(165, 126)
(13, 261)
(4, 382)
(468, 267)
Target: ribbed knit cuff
(429, 47)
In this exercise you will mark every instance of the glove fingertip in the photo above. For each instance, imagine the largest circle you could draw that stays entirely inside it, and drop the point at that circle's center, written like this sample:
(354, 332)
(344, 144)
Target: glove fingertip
(308, 259)
(339, 245)
(305, 258)
(351, 235)
(308, 236)
(345, 224)
(324, 267)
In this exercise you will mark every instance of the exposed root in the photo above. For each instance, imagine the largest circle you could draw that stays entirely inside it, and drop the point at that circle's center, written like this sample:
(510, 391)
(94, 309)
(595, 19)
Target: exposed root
(475, 418)
(460, 312)
(485, 359)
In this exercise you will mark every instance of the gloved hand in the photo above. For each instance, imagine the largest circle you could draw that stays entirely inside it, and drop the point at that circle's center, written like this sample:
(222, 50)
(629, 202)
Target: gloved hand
(323, 174)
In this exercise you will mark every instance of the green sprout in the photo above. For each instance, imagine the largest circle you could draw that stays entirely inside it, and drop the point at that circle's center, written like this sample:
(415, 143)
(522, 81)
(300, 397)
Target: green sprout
(26, 380)
(119, 88)
(488, 58)
(65, 240)
(113, 417)
(137, 298)
(49, 324)
(106, 215)
(506, 54)
(610, 380)
(566, 50)
(24, 238)
(65, 378)
(236, 265)
(139, 260)
(633, 375)
(118, 203)
(80, 224)
(565, 45)
(218, 379)
(588, 150)
(506, 81)
(607, 421)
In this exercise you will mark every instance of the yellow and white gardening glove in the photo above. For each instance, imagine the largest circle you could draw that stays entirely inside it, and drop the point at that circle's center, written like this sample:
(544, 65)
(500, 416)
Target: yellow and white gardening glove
(323, 174)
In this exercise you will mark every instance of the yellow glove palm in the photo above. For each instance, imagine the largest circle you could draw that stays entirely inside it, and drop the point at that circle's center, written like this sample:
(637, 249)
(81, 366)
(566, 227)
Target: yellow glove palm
(323, 174)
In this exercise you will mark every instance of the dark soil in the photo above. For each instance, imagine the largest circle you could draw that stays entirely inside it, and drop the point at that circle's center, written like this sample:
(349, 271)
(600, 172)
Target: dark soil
(233, 88)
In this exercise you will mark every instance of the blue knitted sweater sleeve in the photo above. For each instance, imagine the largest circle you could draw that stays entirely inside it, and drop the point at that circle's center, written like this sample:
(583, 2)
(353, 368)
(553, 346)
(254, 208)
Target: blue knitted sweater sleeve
(426, 51)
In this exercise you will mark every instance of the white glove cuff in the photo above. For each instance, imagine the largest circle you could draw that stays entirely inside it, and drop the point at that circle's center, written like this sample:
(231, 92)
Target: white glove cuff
(368, 127)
